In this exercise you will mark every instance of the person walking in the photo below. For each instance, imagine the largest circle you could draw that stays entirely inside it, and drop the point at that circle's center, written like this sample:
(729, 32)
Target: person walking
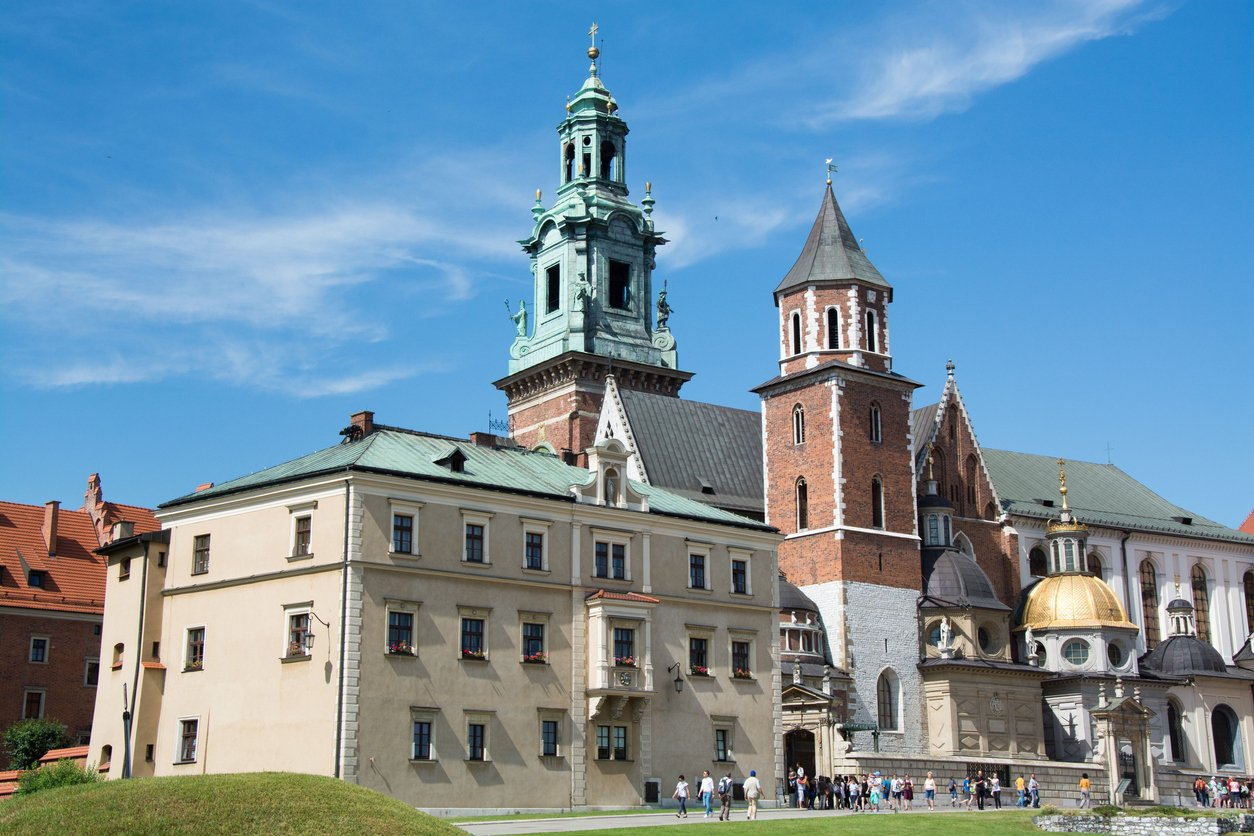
(1086, 788)
(980, 789)
(1021, 786)
(792, 786)
(896, 788)
(995, 791)
(953, 793)
(907, 793)
(725, 797)
(1034, 790)
(707, 793)
(753, 791)
(968, 792)
(929, 792)
(681, 795)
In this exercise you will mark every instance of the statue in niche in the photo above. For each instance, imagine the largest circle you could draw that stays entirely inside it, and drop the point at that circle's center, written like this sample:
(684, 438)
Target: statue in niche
(520, 318)
(946, 633)
(1030, 640)
(583, 291)
(663, 310)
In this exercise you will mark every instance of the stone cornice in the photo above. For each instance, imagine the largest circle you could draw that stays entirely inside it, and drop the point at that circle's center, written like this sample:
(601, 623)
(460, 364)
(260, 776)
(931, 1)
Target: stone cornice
(576, 366)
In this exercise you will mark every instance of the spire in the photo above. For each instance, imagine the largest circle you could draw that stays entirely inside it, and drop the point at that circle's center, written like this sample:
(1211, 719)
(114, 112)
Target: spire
(831, 252)
(1066, 522)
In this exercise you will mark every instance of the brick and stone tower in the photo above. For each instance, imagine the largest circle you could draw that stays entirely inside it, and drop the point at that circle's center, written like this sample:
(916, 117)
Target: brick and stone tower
(592, 314)
(839, 472)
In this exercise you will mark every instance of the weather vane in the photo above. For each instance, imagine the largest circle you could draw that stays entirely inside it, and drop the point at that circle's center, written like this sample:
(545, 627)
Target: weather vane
(831, 168)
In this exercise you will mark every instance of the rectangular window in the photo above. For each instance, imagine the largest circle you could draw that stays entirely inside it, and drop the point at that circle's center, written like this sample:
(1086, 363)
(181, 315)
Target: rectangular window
(602, 567)
(548, 738)
(696, 571)
(195, 649)
(35, 579)
(298, 634)
(39, 650)
(722, 751)
(740, 577)
(476, 741)
(422, 741)
(612, 743)
(302, 544)
(603, 743)
(625, 646)
(534, 550)
(533, 642)
(149, 752)
(124, 569)
(187, 740)
(698, 656)
(33, 705)
(741, 654)
(474, 543)
(618, 561)
(91, 673)
(200, 554)
(400, 632)
(620, 743)
(403, 533)
(472, 639)
(620, 285)
(553, 288)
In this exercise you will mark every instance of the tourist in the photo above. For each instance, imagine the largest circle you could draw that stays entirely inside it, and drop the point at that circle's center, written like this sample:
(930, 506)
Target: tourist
(1034, 790)
(907, 793)
(681, 795)
(929, 792)
(968, 792)
(753, 791)
(725, 797)
(980, 789)
(995, 791)
(895, 788)
(707, 793)
(792, 787)
(1086, 788)
(855, 795)
(953, 793)
(1021, 786)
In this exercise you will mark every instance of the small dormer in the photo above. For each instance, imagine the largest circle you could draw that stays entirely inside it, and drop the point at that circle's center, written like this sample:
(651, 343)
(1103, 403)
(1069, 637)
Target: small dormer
(607, 482)
(454, 460)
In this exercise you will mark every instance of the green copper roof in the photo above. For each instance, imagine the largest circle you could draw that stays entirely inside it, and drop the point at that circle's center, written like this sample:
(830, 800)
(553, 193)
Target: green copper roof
(414, 455)
(1098, 494)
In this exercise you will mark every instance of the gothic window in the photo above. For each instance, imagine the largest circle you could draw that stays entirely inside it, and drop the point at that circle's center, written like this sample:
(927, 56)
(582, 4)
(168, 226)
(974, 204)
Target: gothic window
(1176, 732)
(876, 434)
(553, 288)
(1094, 564)
(796, 333)
(1036, 563)
(872, 332)
(990, 511)
(569, 170)
(1201, 603)
(1225, 729)
(620, 285)
(833, 327)
(1249, 602)
(972, 468)
(877, 503)
(798, 424)
(607, 160)
(803, 505)
(887, 701)
(1149, 604)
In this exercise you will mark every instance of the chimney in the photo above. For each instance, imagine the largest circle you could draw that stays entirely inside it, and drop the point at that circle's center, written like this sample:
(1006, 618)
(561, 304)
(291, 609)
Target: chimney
(52, 510)
(364, 422)
(122, 530)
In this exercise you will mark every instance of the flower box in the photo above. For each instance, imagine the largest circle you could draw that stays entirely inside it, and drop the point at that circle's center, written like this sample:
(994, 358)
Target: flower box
(741, 673)
(195, 665)
(295, 649)
(401, 649)
(625, 661)
(478, 655)
(536, 659)
(698, 670)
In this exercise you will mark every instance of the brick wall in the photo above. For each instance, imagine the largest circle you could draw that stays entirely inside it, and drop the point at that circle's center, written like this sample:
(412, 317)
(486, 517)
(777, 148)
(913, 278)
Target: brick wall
(71, 643)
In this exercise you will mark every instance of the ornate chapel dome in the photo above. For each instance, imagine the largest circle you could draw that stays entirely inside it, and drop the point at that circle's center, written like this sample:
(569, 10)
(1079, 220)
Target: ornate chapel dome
(1183, 655)
(956, 579)
(1073, 600)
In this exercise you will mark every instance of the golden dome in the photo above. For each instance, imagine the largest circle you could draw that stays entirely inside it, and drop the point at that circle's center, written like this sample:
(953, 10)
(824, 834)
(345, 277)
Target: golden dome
(1073, 600)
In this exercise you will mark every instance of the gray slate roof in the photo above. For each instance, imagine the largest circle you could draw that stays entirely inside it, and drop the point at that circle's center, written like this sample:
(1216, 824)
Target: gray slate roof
(922, 422)
(1098, 494)
(684, 442)
(411, 454)
(1184, 655)
(953, 578)
(831, 253)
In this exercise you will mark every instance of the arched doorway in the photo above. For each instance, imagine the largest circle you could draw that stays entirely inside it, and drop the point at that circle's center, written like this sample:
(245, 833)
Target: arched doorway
(799, 750)
(1226, 732)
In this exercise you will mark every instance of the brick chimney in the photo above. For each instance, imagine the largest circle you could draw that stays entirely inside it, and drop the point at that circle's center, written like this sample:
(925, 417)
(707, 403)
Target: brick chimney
(52, 510)
(363, 421)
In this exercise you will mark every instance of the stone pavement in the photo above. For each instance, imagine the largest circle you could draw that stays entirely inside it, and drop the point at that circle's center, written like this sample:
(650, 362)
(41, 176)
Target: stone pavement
(579, 824)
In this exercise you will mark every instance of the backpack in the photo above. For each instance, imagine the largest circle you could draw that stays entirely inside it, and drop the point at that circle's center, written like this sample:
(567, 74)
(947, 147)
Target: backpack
(724, 785)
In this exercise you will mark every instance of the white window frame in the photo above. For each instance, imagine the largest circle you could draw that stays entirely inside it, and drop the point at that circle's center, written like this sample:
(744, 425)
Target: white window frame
(556, 715)
(798, 425)
(87, 663)
(602, 535)
(30, 650)
(873, 331)
(484, 718)
(392, 605)
(179, 760)
(751, 638)
(296, 513)
(728, 725)
(699, 631)
(875, 418)
(612, 725)
(531, 525)
(746, 556)
(208, 535)
(485, 615)
(791, 350)
(531, 617)
(423, 714)
(481, 518)
(827, 314)
(187, 646)
(43, 702)
(705, 551)
(289, 612)
(406, 508)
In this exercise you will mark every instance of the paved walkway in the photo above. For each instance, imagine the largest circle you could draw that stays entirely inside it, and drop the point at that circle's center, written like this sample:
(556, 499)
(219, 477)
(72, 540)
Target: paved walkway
(575, 824)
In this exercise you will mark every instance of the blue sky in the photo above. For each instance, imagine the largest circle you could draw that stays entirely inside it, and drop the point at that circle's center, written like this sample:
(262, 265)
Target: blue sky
(226, 226)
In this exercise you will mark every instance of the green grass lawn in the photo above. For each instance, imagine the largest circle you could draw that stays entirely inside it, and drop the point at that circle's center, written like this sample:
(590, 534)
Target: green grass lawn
(263, 802)
(913, 824)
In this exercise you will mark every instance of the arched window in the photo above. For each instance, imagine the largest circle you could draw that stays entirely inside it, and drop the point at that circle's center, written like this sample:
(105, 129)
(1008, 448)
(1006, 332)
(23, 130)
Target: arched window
(833, 327)
(962, 544)
(972, 468)
(569, 167)
(608, 154)
(876, 434)
(877, 503)
(798, 424)
(796, 333)
(872, 332)
(106, 754)
(887, 702)
(990, 511)
(933, 530)
(1149, 604)
(1201, 603)
(1175, 731)
(1093, 565)
(1224, 730)
(1036, 563)
(1249, 602)
(803, 505)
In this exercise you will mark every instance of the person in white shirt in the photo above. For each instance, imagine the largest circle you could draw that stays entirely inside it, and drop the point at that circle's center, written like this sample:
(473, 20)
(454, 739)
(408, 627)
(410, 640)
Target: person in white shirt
(753, 791)
(681, 795)
(929, 790)
(707, 792)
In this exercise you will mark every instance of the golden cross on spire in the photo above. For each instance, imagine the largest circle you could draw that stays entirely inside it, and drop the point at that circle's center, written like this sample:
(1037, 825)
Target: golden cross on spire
(592, 33)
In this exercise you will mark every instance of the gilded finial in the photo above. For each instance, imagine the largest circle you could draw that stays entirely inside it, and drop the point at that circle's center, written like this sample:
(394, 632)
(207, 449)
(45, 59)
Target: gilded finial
(648, 186)
(1062, 482)
(593, 52)
(830, 168)
(537, 195)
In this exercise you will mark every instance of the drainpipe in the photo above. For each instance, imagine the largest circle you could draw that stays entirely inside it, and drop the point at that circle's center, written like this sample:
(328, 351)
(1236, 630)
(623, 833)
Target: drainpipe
(339, 699)
(128, 710)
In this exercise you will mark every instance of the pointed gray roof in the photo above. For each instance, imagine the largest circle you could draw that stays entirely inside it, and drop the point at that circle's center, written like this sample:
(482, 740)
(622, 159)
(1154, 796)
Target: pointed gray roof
(831, 253)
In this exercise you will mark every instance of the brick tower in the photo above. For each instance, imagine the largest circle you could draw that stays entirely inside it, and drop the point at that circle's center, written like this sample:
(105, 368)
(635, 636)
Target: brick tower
(592, 313)
(839, 471)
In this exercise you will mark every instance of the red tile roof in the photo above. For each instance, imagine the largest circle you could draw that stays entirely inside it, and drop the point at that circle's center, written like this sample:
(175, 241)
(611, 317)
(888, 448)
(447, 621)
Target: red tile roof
(622, 596)
(74, 753)
(1248, 525)
(74, 579)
